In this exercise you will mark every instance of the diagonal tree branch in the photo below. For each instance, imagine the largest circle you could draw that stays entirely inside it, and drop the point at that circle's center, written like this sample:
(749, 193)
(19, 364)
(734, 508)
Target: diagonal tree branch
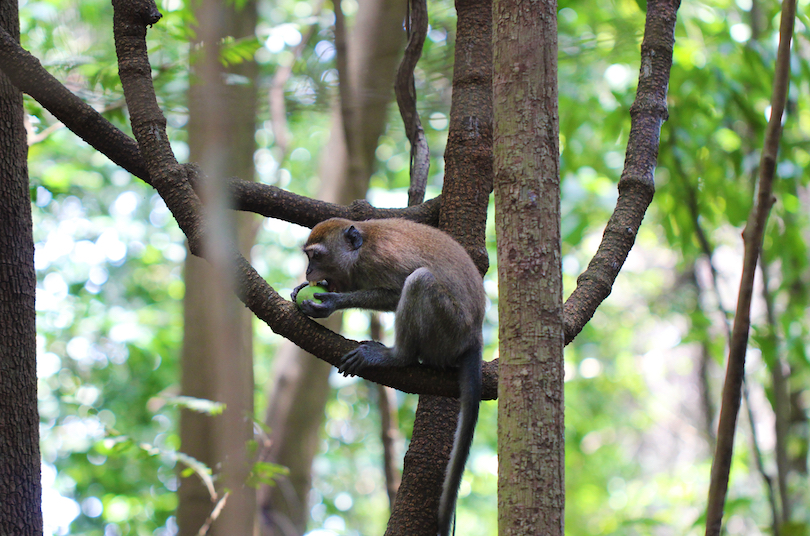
(26, 72)
(637, 185)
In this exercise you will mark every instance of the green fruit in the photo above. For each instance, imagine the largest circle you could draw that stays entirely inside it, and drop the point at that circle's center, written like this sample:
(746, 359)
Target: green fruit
(308, 293)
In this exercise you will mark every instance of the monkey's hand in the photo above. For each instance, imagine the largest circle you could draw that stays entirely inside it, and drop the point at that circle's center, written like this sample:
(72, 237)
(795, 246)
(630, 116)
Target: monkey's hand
(328, 304)
(367, 354)
(297, 289)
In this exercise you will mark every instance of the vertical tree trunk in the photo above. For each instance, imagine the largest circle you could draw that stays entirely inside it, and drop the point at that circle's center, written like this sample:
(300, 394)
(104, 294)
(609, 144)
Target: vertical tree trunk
(300, 388)
(217, 358)
(531, 486)
(20, 483)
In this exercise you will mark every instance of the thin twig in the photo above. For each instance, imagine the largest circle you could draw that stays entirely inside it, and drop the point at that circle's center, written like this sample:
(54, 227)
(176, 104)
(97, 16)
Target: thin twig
(766, 477)
(752, 238)
(708, 252)
(214, 515)
(705, 245)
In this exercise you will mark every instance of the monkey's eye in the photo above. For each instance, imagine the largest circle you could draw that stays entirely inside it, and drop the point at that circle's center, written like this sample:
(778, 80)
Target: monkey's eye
(315, 255)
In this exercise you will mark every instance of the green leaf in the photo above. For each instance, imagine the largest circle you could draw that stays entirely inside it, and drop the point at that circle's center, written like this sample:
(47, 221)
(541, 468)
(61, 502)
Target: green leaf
(265, 473)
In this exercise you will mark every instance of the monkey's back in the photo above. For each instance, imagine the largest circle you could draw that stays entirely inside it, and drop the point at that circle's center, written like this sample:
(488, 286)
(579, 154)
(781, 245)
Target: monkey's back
(397, 248)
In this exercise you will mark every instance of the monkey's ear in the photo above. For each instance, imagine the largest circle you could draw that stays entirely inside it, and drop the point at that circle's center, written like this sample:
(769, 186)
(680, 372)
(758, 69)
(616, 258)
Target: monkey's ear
(353, 237)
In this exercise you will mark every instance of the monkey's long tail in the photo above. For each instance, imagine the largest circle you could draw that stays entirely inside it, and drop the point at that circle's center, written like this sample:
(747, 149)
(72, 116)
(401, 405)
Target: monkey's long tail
(469, 378)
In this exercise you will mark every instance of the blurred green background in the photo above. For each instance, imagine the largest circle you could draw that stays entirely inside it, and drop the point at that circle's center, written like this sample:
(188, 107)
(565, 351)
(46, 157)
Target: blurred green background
(642, 379)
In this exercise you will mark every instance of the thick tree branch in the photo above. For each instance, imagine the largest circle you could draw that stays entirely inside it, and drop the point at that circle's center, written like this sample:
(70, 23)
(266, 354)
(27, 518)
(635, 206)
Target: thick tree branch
(752, 238)
(26, 72)
(273, 202)
(636, 186)
(468, 155)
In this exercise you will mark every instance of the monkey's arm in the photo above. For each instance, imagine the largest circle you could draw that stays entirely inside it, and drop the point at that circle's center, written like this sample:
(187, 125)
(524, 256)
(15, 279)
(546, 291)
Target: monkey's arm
(376, 299)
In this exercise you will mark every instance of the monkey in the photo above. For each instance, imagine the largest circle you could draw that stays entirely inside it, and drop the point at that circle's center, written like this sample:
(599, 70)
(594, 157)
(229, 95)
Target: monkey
(437, 295)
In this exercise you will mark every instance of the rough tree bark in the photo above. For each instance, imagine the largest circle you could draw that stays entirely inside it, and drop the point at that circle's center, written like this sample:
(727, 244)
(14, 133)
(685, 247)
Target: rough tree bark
(217, 358)
(20, 483)
(531, 443)
(300, 387)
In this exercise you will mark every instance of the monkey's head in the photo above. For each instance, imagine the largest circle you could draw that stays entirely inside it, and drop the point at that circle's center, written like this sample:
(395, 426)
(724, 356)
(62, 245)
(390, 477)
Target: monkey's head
(333, 247)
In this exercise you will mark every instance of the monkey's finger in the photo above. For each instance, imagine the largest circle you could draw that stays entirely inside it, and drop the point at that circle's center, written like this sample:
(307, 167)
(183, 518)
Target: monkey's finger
(297, 289)
(351, 363)
(315, 310)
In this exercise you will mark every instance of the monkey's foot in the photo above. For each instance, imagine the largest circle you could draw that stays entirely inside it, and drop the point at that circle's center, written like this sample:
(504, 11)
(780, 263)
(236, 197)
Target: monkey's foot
(368, 353)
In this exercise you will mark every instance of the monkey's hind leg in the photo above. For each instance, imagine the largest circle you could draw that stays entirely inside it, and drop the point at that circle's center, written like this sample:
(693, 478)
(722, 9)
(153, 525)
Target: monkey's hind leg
(368, 354)
(430, 324)
(423, 331)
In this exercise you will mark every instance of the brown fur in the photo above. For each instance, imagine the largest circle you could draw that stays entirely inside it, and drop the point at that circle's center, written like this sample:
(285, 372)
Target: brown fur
(434, 287)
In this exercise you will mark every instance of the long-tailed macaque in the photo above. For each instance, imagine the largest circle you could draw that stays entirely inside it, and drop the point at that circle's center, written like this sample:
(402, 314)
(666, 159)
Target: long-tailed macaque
(433, 286)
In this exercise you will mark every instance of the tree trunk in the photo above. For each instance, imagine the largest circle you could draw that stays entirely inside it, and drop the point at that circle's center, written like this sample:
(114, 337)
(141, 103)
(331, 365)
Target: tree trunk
(217, 357)
(531, 446)
(465, 196)
(300, 388)
(20, 482)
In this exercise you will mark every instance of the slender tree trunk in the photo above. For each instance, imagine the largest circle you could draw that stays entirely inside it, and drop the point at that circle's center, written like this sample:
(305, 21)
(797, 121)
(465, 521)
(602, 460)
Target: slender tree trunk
(20, 483)
(752, 246)
(217, 359)
(531, 445)
(300, 389)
